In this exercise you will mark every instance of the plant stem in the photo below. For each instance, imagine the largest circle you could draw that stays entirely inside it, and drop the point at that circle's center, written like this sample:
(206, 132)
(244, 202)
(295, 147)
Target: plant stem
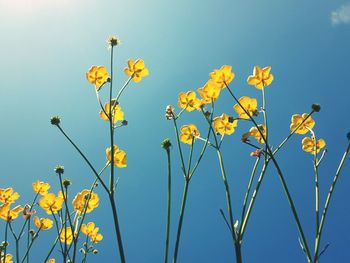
(168, 209)
(85, 158)
(182, 213)
(281, 177)
(329, 196)
(117, 228)
(251, 179)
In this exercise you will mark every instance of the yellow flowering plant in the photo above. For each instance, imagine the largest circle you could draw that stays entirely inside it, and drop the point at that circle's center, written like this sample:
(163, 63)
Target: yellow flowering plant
(111, 112)
(221, 126)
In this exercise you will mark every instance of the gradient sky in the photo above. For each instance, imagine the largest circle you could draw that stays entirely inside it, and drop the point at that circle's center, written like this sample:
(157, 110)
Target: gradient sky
(48, 45)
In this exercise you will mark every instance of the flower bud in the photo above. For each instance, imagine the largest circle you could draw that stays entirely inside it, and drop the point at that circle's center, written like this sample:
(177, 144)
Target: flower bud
(166, 144)
(55, 120)
(113, 41)
(316, 107)
(81, 250)
(59, 169)
(66, 183)
(4, 243)
(95, 251)
(169, 112)
(124, 122)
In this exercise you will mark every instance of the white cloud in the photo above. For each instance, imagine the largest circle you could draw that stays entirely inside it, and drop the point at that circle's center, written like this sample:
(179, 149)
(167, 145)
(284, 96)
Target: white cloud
(341, 15)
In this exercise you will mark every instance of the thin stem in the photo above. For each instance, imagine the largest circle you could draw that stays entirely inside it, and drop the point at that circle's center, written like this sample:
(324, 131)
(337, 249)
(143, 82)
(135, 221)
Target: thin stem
(6, 237)
(117, 228)
(168, 208)
(252, 200)
(251, 179)
(182, 213)
(329, 196)
(179, 146)
(122, 90)
(84, 157)
(26, 255)
(28, 240)
(281, 177)
(51, 250)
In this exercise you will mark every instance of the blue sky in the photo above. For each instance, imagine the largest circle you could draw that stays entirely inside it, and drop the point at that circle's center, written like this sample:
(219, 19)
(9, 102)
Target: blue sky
(46, 48)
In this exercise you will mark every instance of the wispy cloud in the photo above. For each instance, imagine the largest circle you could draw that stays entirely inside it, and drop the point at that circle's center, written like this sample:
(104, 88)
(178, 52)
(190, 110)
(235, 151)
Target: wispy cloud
(341, 15)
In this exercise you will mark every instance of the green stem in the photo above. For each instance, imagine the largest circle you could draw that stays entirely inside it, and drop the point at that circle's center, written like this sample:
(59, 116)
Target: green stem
(182, 213)
(85, 158)
(168, 209)
(252, 200)
(179, 146)
(51, 250)
(28, 240)
(26, 255)
(251, 179)
(281, 177)
(329, 196)
(117, 228)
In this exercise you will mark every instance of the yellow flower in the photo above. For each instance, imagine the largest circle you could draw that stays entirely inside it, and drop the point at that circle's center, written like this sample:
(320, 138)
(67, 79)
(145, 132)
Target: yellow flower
(85, 201)
(8, 196)
(90, 230)
(210, 92)
(97, 75)
(136, 70)
(260, 78)
(249, 104)
(117, 113)
(189, 133)
(119, 159)
(40, 187)
(222, 76)
(51, 260)
(8, 214)
(96, 237)
(224, 124)
(66, 235)
(189, 101)
(310, 145)
(43, 223)
(8, 258)
(51, 203)
(305, 127)
(254, 132)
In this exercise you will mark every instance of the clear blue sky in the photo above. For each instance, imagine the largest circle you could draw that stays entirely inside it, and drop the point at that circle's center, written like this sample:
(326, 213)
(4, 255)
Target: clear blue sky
(46, 48)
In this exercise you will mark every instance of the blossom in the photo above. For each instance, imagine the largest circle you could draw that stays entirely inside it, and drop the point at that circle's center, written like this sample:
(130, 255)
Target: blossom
(41, 187)
(8, 258)
(97, 75)
(90, 230)
(136, 70)
(43, 223)
(8, 195)
(85, 201)
(117, 113)
(119, 158)
(254, 132)
(51, 260)
(189, 133)
(222, 76)
(51, 203)
(249, 104)
(28, 212)
(260, 78)
(66, 235)
(189, 101)
(224, 124)
(210, 91)
(8, 214)
(310, 145)
(307, 123)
